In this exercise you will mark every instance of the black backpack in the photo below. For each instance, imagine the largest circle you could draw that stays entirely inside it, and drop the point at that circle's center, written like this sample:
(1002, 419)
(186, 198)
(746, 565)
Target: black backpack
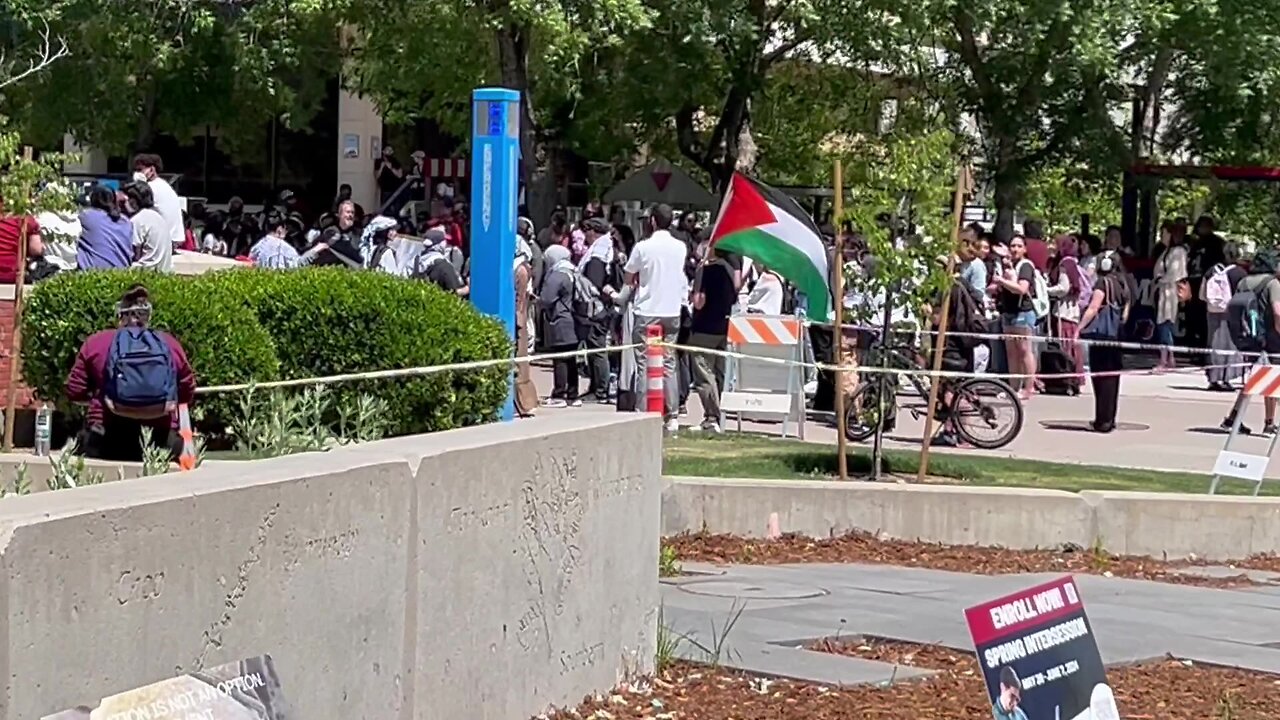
(1248, 317)
(967, 321)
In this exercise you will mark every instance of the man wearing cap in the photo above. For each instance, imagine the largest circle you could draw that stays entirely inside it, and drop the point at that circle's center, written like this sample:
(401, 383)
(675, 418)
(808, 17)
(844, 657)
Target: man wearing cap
(656, 269)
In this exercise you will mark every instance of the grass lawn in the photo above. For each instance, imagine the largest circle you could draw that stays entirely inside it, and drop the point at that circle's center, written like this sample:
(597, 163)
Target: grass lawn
(753, 456)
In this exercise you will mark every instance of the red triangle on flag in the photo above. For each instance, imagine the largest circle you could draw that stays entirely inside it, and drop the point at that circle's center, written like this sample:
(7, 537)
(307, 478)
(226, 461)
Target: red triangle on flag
(660, 179)
(744, 208)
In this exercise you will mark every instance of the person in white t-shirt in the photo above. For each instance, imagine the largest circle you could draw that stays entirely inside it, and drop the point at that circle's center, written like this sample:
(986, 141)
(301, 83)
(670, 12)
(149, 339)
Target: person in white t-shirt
(147, 168)
(766, 297)
(656, 268)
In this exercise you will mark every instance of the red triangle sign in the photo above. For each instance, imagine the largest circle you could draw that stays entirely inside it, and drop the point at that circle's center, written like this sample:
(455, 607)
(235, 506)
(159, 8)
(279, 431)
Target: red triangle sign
(660, 179)
(744, 208)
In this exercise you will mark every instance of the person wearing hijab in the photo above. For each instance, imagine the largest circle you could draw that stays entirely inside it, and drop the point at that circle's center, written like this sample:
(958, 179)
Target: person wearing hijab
(526, 391)
(560, 323)
(600, 268)
(524, 230)
(433, 264)
(376, 251)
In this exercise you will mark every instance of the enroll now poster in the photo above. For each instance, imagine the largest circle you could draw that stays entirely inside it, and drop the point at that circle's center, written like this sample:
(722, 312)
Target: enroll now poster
(1039, 656)
(245, 690)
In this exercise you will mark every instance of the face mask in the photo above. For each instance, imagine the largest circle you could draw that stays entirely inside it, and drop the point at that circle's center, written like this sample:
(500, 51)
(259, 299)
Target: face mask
(140, 176)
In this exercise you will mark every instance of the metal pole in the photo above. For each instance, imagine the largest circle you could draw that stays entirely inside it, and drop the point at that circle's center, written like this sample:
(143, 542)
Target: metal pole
(15, 360)
(1235, 432)
(275, 170)
(1271, 449)
(877, 450)
(939, 340)
(842, 462)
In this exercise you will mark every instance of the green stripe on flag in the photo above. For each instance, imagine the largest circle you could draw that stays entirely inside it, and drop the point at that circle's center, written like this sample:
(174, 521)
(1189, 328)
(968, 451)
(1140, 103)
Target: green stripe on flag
(788, 261)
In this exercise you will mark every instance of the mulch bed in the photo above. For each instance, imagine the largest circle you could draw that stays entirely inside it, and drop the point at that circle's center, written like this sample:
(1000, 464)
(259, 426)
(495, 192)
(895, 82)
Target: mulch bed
(861, 547)
(1164, 690)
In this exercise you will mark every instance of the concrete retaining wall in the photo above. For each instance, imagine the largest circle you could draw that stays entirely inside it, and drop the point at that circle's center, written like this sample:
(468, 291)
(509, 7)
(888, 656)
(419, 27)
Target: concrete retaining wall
(1154, 524)
(482, 573)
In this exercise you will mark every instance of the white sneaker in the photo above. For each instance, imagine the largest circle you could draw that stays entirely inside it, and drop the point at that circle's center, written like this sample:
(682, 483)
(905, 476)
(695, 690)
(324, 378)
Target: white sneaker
(673, 426)
(712, 428)
(554, 403)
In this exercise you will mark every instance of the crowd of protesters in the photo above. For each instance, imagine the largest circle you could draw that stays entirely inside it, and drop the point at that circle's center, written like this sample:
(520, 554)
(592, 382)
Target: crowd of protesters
(593, 285)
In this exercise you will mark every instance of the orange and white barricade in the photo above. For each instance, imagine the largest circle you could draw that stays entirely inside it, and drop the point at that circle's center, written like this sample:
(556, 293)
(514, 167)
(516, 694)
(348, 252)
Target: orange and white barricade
(1264, 382)
(765, 390)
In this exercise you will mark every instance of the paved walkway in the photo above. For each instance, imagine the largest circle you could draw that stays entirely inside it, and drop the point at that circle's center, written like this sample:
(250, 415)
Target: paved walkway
(787, 606)
(1170, 423)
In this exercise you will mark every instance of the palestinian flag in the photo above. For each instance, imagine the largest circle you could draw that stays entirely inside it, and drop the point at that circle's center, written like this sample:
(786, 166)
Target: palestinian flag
(769, 227)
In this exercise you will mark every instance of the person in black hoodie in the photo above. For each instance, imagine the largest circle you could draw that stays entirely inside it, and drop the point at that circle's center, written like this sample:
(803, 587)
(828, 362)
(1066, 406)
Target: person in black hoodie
(340, 245)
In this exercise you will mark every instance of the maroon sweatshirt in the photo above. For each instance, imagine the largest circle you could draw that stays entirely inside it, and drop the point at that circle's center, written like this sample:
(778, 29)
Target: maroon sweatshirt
(85, 383)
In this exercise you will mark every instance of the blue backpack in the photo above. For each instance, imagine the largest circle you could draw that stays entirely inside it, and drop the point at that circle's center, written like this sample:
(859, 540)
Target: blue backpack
(141, 381)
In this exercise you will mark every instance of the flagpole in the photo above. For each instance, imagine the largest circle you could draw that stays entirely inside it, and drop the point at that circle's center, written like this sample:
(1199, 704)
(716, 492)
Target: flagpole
(842, 461)
(940, 339)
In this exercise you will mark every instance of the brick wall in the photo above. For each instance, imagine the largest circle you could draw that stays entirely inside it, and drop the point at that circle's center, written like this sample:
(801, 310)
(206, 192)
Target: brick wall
(8, 356)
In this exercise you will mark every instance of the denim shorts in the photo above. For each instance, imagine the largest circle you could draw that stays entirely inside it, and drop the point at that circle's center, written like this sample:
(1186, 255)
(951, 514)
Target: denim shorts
(1026, 319)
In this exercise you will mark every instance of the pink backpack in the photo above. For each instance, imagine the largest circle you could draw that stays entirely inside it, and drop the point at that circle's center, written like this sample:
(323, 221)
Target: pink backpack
(1079, 281)
(1217, 290)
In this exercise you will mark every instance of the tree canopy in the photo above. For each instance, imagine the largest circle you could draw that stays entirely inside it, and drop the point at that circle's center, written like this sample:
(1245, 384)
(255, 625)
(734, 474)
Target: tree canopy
(1045, 88)
(148, 66)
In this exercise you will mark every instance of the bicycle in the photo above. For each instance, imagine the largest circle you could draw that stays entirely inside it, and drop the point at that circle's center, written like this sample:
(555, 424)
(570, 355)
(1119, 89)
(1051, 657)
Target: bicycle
(976, 400)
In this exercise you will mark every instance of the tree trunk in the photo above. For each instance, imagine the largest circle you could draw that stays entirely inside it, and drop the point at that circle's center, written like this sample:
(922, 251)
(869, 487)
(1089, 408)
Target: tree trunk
(1007, 193)
(146, 132)
(513, 64)
(1150, 104)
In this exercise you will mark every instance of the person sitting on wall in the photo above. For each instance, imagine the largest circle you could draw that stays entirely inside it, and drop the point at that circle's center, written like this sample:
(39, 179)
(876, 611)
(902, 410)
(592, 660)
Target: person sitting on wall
(130, 377)
(15, 229)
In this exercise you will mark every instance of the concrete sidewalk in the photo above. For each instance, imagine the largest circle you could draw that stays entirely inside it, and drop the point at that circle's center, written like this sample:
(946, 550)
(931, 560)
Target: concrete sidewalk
(787, 606)
(1169, 422)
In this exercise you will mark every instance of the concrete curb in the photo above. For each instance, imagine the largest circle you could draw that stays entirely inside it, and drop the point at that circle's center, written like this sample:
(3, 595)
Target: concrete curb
(1153, 524)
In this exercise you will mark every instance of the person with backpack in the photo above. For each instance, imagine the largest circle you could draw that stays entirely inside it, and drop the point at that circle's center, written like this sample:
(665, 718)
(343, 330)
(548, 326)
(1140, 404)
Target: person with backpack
(129, 378)
(1253, 316)
(1104, 316)
(965, 324)
(600, 269)
(561, 322)
(433, 264)
(375, 245)
(1070, 296)
(1220, 284)
(1020, 288)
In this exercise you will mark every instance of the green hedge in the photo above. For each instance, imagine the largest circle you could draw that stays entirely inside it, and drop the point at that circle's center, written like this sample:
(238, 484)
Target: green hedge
(330, 321)
(222, 346)
(241, 325)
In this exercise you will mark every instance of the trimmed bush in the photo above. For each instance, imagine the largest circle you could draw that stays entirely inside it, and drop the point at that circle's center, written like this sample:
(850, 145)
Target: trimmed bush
(224, 342)
(243, 325)
(331, 321)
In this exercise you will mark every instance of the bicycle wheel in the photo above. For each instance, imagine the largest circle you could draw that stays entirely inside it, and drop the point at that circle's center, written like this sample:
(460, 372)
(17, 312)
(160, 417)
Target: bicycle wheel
(986, 413)
(863, 411)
